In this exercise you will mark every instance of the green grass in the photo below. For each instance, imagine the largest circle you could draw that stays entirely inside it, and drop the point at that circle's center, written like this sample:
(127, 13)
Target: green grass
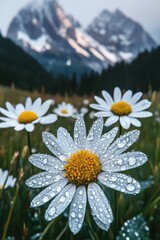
(24, 223)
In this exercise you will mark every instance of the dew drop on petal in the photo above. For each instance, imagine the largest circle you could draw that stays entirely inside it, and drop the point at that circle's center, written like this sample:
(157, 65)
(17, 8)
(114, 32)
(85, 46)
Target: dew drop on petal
(132, 161)
(62, 199)
(52, 211)
(130, 187)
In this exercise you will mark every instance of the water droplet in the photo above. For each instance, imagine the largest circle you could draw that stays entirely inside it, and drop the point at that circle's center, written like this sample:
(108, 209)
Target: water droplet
(121, 144)
(113, 178)
(59, 189)
(80, 206)
(52, 211)
(80, 192)
(45, 160)
(132, 161)
(62, 199)
(130, 187)
(73, 214)
(120, 161)
(67, 194)
(79, 215)
(45, 199)
(74, 204)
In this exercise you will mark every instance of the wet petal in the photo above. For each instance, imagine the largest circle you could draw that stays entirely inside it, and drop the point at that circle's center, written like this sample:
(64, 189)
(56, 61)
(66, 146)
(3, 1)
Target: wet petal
(120, 182)
(66, 141)
(60, 202)
(46, 162)
(122, 143)
(125, 161)
(77, 210)
(95, 134)
(48, 193)
(99, 223)
(43, 179)
(99, 204)
(105, 141)
(52, 144)
(80, 133)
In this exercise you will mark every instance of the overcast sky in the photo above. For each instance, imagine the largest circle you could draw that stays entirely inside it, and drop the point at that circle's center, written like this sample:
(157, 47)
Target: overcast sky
(146, 12)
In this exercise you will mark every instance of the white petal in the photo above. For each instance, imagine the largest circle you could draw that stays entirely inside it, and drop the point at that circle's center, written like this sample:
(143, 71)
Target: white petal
(99, 223)
(122, 143)
(8, 114)
(46, 162)
(127, 96)
(120, 182)
(99, 204)
(66, 141)
(136, 97)
(102, 102)
(60, 202)
(52, 144)
(117, 94)
(124, 162)
(103, 114)
(135, 122)
(4, 125)
(29, 127)
(48, 193)
(77, 210)
(44, 108)
(95, 134)
(19, 127)
(97, 107)
(80, 133)
(28, 103)
(107, 97)
(36, 105)
(10, 107)
(105, 141)
(111, 120)
(43, 179)
(142, 105)
(143, 114)
(125, 122)
(51, 118)
(19, 108)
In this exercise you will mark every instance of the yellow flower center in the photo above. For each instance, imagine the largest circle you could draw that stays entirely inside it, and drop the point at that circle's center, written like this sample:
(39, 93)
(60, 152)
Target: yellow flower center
(64, 111)
(82, 167)
(27, 117)
(121, 108)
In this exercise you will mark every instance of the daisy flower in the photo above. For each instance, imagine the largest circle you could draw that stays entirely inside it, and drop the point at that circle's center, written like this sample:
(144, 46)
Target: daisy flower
(65, 110)
(10, 180)
(73, 175)
(124, 108)
(25, 116)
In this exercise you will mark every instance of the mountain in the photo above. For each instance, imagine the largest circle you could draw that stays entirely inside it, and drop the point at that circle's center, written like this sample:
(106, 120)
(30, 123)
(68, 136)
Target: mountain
(20, 69)
(120, 34)
(60, 45)
(55, 39)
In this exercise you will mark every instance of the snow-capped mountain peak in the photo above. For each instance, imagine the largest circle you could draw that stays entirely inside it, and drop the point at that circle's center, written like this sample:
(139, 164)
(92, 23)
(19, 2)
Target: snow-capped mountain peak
(55, 38)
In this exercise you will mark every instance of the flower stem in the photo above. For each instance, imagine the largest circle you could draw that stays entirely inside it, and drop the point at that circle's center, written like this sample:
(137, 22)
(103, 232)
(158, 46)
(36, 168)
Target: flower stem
(29, 143)
(10, 212)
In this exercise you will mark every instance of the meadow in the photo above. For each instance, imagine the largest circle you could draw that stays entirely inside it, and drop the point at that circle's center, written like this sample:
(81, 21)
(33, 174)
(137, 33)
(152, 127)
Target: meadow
(138, 216)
